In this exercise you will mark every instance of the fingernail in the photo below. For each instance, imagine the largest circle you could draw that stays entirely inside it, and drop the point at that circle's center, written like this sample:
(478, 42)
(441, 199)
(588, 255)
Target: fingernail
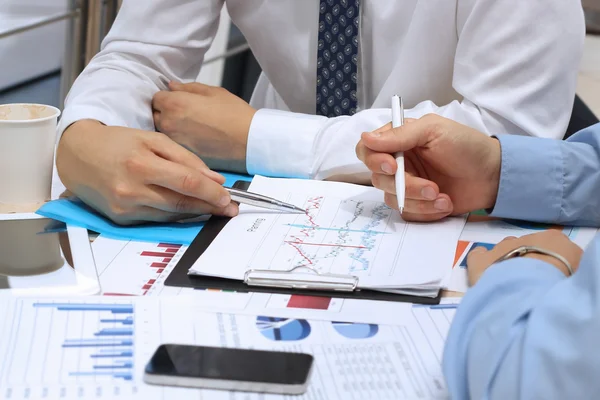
(225, 200)
(375, 134)
(231, 210)
(428, 193)
(441, 204)
(387, 168)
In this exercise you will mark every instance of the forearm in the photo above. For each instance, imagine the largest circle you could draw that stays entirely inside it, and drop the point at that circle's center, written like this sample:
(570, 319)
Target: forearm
(145, 49)
(551, 181)
(526, 331)
(287, 144)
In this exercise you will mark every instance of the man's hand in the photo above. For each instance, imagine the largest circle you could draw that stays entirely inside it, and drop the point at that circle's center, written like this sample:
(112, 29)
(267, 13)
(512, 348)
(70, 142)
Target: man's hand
(480, 259)
(450, 169)
(133, 176)
(208, 120)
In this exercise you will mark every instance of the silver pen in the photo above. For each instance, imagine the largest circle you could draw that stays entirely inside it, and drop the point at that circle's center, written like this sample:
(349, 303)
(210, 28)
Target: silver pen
(258, 200)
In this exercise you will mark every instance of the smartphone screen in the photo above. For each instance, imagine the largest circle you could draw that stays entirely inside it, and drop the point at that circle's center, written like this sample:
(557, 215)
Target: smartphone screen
(270, 367)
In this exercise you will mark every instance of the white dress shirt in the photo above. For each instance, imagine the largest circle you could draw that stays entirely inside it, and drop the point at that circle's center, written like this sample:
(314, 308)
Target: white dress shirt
(496, 65)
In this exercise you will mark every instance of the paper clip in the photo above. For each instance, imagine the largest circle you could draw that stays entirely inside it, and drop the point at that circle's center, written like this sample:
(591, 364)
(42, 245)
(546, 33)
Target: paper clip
(314, 280)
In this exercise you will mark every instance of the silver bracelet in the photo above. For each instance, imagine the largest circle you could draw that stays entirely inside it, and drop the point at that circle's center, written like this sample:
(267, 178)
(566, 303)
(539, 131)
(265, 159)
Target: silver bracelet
(521, 251)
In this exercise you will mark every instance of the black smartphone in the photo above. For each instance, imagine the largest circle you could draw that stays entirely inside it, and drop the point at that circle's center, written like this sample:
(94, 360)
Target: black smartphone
(229, 369)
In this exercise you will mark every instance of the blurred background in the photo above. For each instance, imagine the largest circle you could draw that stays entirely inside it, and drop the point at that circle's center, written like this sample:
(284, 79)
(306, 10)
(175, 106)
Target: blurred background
(44, 44)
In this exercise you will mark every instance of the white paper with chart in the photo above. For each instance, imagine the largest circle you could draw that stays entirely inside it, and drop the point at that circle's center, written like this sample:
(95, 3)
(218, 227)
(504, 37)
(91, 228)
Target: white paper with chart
(347, 230)
(97, 347)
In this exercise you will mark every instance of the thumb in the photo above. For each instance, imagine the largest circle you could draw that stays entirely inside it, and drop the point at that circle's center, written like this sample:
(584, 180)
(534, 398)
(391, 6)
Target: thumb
(414, 134)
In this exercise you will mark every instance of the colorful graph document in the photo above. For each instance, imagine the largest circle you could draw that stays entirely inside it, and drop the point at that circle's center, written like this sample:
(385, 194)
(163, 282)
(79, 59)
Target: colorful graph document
(97, 347)
(482, 230)
(347, 230)
(127, 268)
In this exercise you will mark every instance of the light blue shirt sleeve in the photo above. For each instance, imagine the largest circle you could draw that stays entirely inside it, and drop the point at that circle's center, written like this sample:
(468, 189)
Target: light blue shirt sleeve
(545, 180)
(526, 331)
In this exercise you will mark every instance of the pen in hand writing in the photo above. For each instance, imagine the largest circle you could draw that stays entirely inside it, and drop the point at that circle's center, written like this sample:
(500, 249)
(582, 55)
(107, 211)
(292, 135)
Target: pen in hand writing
(397, 121)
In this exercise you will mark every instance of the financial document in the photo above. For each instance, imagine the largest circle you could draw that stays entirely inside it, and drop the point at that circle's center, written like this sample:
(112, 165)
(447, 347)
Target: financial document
(97, 347)
(347, 230)
(132, 268)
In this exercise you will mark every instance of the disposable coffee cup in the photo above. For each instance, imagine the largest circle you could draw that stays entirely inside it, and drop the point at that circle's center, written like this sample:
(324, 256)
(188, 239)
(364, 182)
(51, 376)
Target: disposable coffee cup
(27, 143)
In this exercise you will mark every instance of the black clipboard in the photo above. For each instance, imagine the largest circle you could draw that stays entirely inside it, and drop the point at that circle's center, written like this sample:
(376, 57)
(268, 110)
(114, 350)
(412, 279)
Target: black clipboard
(179, 276)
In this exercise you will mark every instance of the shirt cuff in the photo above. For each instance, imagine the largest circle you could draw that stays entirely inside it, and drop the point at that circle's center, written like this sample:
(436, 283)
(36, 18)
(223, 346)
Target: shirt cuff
(531, 179)
(73, 114)
(280, 143)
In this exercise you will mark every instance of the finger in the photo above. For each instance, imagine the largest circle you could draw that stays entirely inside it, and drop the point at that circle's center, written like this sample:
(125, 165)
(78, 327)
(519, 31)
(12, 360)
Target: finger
(187, 181)
(149, 214)
(392, 202)
(191, 87)
(415, 188)
(159, 99)
(441, 205)
(477, 256)
(417, 217)
(378, 162)
(156, 118)
(166, 200)
(384, 128)
(169, 150)
(404, 138)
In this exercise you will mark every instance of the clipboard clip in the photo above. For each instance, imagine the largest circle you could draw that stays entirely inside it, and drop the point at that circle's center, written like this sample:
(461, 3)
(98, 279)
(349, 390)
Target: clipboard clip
(312, 280)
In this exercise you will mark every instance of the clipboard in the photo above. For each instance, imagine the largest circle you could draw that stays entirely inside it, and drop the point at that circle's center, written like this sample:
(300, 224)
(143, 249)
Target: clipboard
(278, 282)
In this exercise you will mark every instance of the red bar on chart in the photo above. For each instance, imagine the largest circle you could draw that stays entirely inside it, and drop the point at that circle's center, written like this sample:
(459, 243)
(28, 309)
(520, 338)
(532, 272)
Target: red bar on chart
(158, 265)
(167, 260)
(152, 281)
(155, 254)
(146, 287)
(309, 302)
(117, 294)
(171, 250)
(167, 245)
(159, 271)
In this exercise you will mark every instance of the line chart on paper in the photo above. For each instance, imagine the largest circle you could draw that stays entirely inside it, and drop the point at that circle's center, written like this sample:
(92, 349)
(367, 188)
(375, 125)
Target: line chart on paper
(346, 230)
(334, 236)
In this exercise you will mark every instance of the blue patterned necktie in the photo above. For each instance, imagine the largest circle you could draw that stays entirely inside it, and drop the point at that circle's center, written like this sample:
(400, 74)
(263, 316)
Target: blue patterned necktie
(337, 57)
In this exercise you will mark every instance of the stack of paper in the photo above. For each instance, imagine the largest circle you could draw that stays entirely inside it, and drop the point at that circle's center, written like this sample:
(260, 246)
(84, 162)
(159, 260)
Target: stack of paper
(347, 230)
(98, 348)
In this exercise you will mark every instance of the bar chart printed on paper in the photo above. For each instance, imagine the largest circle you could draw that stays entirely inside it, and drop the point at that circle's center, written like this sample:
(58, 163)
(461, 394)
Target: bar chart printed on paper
(347, 229)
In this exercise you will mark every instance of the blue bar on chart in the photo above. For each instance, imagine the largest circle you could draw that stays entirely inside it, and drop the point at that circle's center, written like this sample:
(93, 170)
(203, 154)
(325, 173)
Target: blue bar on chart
(125, 321)
(112, 347)
(115, 332)
(113, 308)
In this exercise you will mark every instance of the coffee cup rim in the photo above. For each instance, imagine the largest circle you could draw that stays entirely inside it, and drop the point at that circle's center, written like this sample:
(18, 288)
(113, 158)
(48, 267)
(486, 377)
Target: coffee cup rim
(56, 113)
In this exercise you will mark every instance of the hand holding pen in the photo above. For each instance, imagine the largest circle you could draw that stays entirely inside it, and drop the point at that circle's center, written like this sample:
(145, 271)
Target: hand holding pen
(448, 168)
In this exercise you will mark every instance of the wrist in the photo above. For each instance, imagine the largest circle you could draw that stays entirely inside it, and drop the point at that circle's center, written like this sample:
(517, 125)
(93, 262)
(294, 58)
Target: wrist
(550, 260)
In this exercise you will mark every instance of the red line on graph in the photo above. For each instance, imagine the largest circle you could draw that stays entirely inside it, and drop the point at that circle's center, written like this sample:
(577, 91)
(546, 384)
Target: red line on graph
(330, 245)
(313, 204)
(117, 294)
